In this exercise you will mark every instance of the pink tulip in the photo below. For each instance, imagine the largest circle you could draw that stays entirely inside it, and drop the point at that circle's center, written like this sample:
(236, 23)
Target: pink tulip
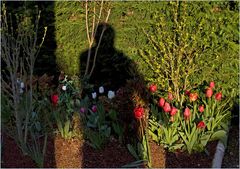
(161, 102)
(94, 108)
(209, 92)
(187, 113)
(167, 107)
(211, 85)
(170, 96)
(173, 111)
(201, 108)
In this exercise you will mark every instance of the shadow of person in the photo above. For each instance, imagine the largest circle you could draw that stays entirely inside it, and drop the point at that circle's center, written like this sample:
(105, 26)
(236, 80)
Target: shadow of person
(117, 72)
(112, 66)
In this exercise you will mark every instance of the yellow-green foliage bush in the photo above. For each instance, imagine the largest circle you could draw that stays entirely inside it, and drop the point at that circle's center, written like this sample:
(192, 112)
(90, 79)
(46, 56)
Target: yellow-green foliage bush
(190, 43)
(218, 38)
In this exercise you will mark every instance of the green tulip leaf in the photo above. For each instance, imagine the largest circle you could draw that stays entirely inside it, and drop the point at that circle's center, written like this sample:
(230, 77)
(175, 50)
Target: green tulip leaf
(132, 151)
(218, 135)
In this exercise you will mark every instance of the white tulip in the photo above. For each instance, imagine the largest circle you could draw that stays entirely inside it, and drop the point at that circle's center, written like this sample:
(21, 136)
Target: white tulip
(111, 94)
(101, 89)
(94, 95)
(22, 85)
(64, 88)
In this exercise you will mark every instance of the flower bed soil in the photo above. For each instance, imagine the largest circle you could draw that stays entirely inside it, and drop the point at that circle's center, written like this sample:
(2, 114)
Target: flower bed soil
(76, 153)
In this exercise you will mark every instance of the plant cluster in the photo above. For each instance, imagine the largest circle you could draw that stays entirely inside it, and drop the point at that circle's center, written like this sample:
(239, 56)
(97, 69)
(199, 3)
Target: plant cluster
(19, 52)
(202, 117)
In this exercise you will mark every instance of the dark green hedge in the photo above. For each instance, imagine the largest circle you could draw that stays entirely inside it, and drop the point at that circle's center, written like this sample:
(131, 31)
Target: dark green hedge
(66, 38)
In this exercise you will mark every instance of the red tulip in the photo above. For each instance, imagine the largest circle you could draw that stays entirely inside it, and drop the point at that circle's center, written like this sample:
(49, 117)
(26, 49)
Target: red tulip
(209, 92)
(173, 111)
(94, 108)
(187, 113)
(153, 88)
(161, 102)
(201, 108)
(139, 112)
(187, 92)
(211, 85)
(54, 99)
(218, 96)
(201, 125)
(193, 97)
(170, 96)
(167, 107)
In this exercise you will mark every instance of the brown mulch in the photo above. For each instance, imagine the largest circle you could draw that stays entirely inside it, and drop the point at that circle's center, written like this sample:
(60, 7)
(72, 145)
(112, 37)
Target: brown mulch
(157, 155)
(75, 153)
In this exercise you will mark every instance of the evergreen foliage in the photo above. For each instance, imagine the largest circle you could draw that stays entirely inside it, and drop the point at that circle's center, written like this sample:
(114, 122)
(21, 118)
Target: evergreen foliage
(66, 38)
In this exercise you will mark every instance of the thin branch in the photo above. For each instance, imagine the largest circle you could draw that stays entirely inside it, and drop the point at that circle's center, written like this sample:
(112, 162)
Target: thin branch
(95, 56)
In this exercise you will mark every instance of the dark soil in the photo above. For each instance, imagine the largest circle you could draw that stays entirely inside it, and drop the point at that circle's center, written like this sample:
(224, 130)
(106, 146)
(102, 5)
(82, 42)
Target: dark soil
(195, 160)
(75, 153)
(12, 156)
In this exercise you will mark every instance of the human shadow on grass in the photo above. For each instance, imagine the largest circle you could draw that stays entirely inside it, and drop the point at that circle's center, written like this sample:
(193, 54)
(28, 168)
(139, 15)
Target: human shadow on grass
(114, 71)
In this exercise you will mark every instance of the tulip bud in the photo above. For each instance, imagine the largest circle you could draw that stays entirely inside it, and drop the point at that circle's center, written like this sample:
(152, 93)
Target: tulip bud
(211, 84)
(111, 94)
(170, 96)
(94, 95)
(187, 92)
(22, 85)
(173, 111)
(187, 113)
(209, 92)
(161, 102)
(167, 107)
(94, 108)
(218, 96)
(138, 112)
(54, 99)
(201, 125)
(101, 89)
(201, 108)
(153, 88)
(193, 97)
(82, 110)
(64, 88)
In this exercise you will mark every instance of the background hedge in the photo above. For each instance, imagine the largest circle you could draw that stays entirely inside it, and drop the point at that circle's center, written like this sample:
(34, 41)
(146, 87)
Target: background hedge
(66, 38)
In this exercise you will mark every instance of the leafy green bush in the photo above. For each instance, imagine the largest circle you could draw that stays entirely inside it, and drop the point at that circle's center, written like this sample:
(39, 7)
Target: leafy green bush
(185, 47)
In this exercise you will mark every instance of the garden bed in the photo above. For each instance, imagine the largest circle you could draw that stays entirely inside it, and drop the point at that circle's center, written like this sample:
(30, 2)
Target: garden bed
(74, 153)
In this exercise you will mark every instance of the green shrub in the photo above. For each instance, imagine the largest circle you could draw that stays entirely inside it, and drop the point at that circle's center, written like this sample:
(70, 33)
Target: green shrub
(189, 43)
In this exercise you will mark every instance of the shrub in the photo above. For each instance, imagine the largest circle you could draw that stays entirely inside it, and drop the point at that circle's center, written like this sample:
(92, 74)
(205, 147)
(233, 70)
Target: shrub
(185, 47)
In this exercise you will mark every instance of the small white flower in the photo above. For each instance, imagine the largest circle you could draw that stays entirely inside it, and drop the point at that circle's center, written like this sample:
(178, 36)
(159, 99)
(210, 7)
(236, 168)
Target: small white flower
(20, 91)
(22, 85)
(64, 88)
(101, 89)
(94, 95)
(18, 81)
(111, 94)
